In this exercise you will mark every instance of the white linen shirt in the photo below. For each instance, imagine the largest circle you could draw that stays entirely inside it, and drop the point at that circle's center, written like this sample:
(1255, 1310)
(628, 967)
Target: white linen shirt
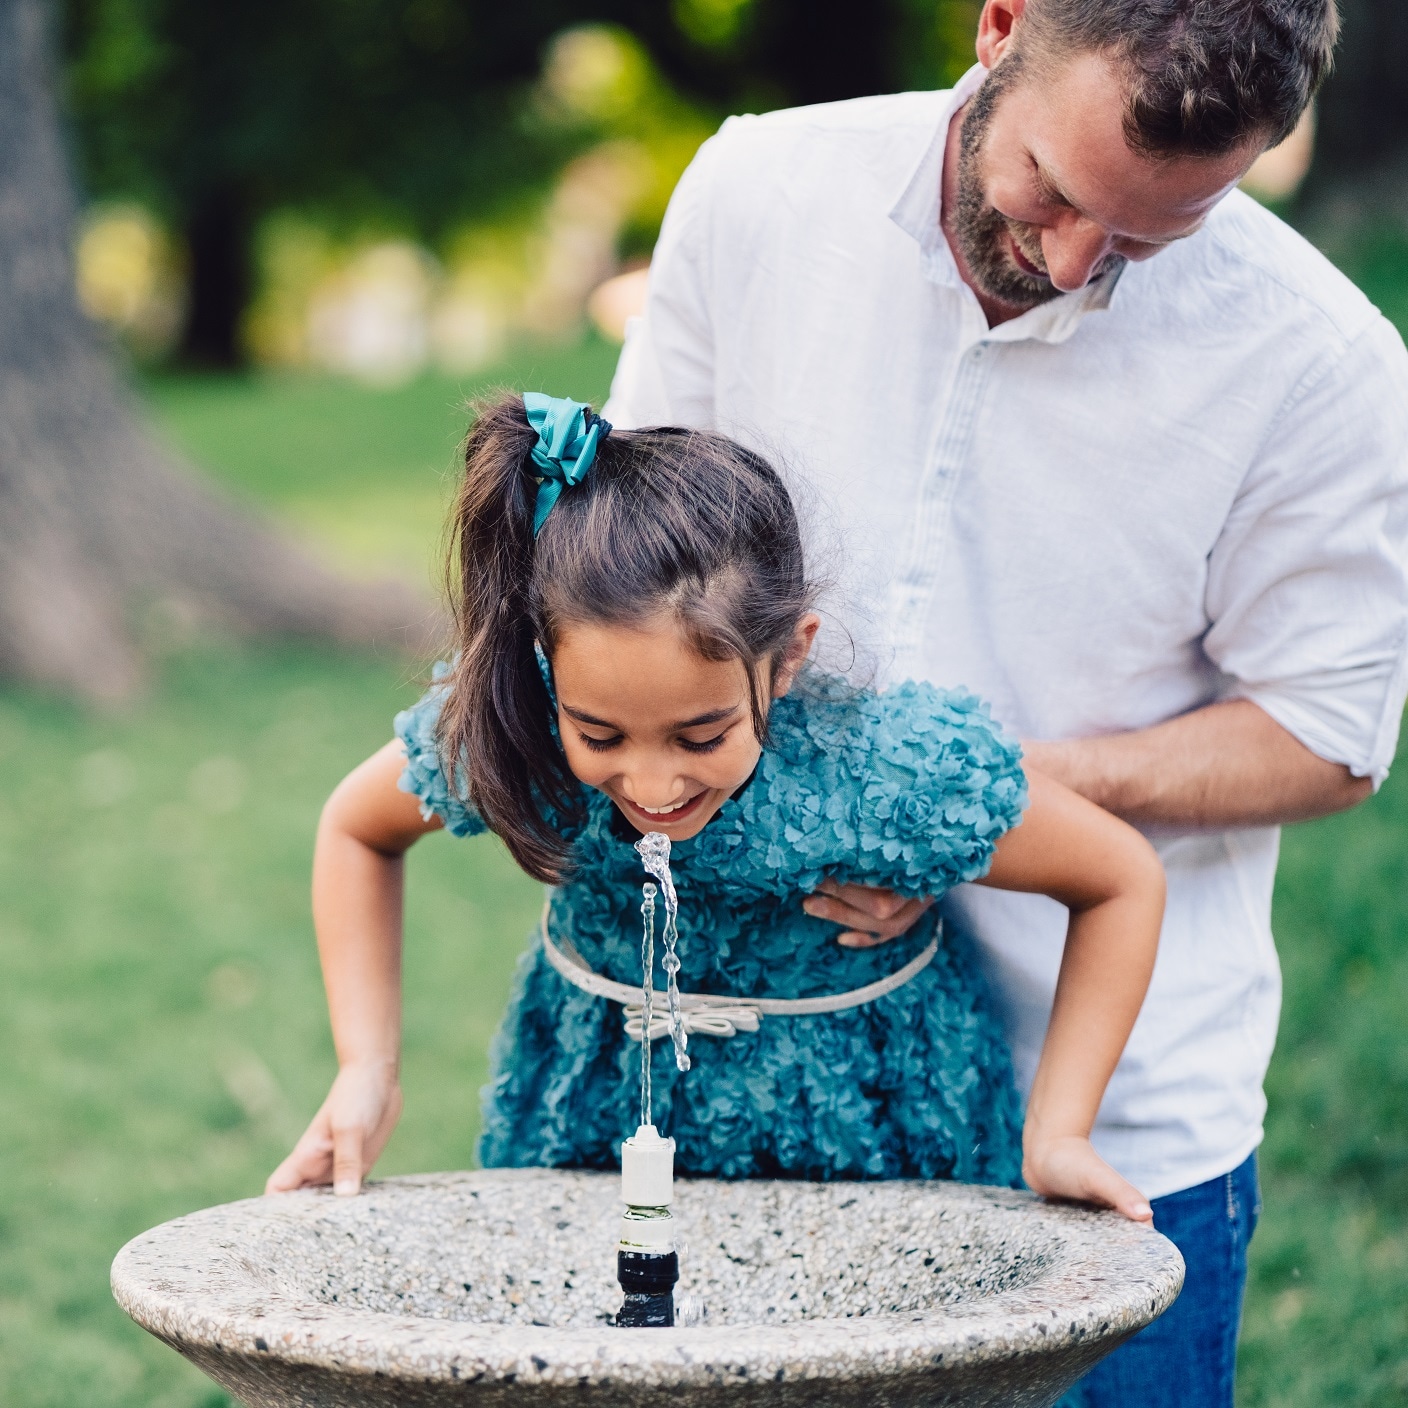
(1186, 482)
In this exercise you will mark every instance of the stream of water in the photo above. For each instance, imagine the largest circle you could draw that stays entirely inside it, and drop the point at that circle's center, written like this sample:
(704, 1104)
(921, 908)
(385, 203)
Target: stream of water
(654, 851)
(647, 1000)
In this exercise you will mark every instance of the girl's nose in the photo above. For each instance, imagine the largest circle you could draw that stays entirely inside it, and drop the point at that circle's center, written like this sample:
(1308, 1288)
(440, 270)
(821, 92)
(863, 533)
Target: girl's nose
(653, 789)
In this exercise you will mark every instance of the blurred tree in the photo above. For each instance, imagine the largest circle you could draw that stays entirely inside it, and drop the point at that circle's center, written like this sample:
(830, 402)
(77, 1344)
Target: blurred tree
(416, 112)
(100, 528)
(1364, 107)
(410, 112)
(755, 54)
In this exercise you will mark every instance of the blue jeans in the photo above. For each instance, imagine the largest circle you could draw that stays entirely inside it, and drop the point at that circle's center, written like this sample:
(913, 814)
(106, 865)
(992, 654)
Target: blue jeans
(1188, 1357)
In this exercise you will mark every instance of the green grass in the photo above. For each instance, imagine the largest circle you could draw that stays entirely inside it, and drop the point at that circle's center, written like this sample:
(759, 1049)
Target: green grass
(1327, 1307)
(364, 474)
(162, 1030)
(161, 1022)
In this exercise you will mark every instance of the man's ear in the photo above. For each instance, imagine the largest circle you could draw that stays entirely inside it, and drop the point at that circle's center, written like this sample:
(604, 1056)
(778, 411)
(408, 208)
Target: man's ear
(795, 656)
(997, 27)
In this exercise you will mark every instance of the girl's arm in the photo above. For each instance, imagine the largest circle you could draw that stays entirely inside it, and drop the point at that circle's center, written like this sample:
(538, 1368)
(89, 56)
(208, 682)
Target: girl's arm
(1111, 880)
(365, 830)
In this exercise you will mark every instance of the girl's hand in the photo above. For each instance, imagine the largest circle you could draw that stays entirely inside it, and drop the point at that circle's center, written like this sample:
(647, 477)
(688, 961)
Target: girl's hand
(347, 1134)
(1067, 1166)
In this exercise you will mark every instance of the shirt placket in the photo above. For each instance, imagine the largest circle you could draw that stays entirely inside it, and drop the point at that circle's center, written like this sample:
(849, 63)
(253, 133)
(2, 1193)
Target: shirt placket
(915, 583)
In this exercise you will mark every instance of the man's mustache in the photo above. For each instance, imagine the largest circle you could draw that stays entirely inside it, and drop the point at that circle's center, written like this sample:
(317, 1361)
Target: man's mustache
(1026, 239)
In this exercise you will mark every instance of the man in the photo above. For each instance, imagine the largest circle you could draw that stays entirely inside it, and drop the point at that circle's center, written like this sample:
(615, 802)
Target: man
(1109, 444)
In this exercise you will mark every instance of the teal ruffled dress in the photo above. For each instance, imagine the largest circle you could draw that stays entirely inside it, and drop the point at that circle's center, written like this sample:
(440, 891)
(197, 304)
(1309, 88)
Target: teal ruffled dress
(908, 789)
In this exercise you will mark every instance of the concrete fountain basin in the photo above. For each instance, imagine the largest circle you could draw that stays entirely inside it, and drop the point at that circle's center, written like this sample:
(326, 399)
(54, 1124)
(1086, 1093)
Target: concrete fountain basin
(498, 1288)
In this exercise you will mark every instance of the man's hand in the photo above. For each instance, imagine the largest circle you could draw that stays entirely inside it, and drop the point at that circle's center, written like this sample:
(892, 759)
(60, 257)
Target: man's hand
(870, 916)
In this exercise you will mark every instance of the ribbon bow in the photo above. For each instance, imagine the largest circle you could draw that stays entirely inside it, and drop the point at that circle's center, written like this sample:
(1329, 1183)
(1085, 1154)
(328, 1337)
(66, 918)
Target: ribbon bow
(568, 436)
(719, 1020)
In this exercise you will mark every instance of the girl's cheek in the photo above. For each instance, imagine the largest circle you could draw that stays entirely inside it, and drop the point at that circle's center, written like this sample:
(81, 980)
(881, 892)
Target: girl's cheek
(586, 766)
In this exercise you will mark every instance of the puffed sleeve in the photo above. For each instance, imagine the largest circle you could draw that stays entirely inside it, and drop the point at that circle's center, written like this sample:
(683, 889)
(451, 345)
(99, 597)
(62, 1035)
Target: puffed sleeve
(424, 775)
(943, 785)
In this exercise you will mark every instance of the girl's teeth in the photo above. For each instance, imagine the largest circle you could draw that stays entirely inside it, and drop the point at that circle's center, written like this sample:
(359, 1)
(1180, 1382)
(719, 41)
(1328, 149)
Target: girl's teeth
(665, 811)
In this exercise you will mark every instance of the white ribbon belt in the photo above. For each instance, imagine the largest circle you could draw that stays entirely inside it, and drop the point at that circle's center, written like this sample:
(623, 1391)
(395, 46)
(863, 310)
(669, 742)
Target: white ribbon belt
(711, 1014)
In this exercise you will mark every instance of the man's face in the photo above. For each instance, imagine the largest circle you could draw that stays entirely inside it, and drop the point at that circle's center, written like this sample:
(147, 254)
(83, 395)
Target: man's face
(1050, 194)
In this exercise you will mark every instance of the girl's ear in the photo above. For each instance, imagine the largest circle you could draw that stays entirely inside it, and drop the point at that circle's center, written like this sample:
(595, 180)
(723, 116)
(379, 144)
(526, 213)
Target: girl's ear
(795, 656)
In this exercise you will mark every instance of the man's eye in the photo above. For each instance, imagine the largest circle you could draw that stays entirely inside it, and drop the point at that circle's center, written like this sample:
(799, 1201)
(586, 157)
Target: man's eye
(707, 746)
(599, 745)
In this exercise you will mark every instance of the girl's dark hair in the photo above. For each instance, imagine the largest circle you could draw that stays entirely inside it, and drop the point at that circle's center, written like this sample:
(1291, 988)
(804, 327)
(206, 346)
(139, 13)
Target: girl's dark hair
(668, 521)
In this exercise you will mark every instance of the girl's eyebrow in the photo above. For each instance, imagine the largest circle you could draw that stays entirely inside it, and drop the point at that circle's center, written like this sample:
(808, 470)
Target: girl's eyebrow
(714, 716)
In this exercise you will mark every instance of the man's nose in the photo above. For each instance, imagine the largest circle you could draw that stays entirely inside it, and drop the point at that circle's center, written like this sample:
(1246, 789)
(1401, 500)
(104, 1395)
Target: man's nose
(1073, 250)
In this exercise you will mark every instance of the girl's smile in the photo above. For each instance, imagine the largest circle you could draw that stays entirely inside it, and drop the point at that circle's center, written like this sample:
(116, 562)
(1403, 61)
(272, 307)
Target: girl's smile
(665, 733)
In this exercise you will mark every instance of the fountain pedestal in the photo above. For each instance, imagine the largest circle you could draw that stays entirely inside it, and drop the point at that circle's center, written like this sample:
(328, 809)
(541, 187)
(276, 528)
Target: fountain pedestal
(498, 1288)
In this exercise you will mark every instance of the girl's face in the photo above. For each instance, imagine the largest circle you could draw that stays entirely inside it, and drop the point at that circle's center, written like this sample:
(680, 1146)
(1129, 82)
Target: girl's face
(666, 734)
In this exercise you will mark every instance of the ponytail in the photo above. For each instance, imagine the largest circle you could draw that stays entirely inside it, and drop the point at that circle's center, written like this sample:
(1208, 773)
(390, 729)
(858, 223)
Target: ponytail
(497, 721)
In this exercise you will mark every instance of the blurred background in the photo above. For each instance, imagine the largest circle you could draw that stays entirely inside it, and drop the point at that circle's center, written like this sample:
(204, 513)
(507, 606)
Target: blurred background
(305, 232)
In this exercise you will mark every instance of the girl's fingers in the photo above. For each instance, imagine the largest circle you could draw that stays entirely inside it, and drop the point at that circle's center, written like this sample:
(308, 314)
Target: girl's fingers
(1070, 1168)
(344, 1140)
(1107, 1187)
(308, 1165)
(347, 1161)
(284, 1179)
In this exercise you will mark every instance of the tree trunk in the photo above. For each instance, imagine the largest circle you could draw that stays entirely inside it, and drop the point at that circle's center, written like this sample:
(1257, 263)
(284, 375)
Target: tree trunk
(97, 522)
(218, 236)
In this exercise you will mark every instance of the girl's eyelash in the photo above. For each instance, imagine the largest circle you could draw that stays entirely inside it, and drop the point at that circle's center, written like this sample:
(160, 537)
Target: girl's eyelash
(603, 745)
(599, 745)
(707, 746)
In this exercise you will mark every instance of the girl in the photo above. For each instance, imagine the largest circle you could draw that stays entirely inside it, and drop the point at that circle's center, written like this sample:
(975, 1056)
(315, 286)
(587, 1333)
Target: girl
(633, 622)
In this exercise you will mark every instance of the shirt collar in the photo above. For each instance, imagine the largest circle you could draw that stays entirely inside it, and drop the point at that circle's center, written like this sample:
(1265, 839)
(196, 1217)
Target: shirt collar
(919, 213)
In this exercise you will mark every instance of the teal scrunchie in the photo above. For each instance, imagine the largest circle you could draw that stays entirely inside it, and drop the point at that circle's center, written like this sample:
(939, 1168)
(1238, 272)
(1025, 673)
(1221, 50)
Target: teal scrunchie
(568, 436)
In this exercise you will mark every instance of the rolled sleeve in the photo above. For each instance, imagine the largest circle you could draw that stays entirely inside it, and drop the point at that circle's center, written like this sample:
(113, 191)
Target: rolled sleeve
(1308, 582)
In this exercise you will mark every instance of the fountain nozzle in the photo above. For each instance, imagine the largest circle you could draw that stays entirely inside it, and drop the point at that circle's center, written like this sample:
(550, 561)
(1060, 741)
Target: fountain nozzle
(647, 1262)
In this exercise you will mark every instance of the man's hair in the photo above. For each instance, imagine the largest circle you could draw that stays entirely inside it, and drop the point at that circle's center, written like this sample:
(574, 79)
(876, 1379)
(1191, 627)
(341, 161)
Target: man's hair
(1204, 76)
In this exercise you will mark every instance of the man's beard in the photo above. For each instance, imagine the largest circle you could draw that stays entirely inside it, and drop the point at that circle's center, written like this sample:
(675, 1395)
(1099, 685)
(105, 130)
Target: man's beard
(983, 233)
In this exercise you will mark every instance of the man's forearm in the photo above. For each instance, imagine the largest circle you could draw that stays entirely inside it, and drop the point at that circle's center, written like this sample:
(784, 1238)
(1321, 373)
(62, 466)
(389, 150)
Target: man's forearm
(1229, 764)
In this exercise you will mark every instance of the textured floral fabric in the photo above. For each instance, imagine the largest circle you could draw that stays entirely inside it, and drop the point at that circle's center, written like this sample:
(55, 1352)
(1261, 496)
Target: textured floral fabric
(909, 789)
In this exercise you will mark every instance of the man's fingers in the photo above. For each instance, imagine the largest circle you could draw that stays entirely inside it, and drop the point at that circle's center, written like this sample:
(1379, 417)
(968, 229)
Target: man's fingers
(347, 1161)
(861, 924)
(854, 938)
(883, 905)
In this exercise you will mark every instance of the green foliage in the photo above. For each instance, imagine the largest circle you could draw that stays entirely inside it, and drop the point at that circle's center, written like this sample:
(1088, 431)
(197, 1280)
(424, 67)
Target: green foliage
(413, 114)
(1375, 256)
(419, 113)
